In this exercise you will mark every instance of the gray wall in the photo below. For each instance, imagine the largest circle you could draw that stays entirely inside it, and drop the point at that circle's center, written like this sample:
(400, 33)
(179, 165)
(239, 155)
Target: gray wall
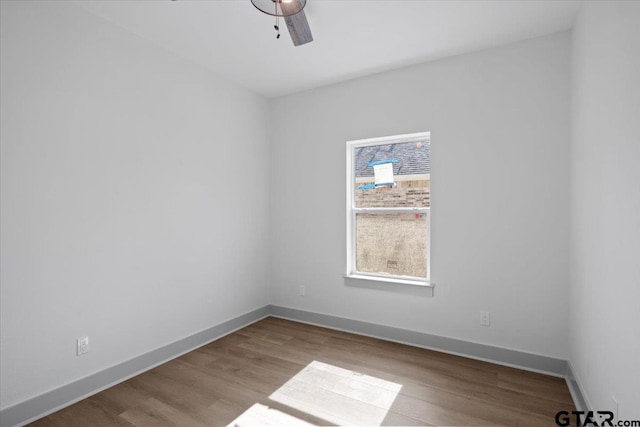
(499, 122)
(119, 217)
(605, 153)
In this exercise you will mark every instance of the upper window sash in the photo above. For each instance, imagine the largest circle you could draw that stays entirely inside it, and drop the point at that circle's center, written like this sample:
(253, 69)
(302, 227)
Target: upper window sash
(352, 146)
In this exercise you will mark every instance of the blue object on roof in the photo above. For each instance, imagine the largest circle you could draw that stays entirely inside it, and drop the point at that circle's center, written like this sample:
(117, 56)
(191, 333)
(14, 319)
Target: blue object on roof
(372, 186)
(367, 187)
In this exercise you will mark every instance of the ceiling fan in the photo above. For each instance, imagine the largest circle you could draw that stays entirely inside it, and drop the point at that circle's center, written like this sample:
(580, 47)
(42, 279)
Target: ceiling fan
(293, 14)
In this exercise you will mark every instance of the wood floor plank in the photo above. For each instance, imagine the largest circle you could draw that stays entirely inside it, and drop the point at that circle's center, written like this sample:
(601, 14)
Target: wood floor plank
(222, 412)
(86, 413)
(259, 359)
(418, 361)
(121, 397)
(270, 336)
(540, 386)
(213, 385)
(154, 413)
(395, 419)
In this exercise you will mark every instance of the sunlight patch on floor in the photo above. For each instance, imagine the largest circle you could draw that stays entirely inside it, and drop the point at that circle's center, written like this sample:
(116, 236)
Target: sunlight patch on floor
(338, 395)
(260, 415)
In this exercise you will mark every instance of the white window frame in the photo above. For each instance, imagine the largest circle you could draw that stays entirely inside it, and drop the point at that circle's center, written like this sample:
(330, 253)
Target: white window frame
(352, 210)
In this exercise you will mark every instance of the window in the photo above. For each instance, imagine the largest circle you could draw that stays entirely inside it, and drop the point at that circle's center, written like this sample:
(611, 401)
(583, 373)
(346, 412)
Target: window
(388, 208)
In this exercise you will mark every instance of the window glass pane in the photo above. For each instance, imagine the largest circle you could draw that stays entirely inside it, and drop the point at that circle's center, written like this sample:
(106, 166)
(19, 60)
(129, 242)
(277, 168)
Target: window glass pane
(392, 243)
(411, 174)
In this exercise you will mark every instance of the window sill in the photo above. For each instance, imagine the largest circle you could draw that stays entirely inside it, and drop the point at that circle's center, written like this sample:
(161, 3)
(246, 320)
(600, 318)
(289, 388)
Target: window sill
(393, 280)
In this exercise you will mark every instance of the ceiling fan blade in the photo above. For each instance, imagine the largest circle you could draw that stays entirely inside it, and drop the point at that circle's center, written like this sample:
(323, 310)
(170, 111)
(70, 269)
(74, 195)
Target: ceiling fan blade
(297, 23)
(299, 28)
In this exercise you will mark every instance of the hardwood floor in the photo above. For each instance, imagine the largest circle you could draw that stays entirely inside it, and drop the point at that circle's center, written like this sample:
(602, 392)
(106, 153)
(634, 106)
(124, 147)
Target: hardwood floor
(215, 384)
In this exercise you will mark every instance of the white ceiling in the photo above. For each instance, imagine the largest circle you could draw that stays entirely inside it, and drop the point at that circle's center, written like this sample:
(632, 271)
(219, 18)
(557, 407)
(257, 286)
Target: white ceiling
(353, 38)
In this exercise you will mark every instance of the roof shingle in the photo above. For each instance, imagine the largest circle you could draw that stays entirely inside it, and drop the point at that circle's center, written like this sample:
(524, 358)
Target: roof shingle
(413, 158)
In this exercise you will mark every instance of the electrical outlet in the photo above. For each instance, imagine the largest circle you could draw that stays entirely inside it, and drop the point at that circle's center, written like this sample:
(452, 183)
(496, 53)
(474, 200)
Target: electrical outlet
(82, 346)
(485, 318)
(302, 291)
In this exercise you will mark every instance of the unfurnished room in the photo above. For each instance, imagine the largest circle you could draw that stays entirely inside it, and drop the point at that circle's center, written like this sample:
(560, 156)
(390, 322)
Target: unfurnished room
(319, 212)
